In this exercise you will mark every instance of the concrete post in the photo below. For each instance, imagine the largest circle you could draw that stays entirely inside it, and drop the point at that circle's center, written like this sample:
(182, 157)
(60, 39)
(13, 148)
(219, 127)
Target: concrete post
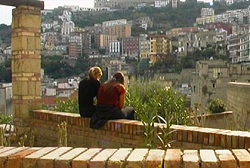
(25, 63)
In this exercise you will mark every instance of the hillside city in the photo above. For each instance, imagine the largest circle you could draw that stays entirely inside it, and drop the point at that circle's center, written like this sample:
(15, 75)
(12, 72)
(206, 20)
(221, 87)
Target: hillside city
(198, 60)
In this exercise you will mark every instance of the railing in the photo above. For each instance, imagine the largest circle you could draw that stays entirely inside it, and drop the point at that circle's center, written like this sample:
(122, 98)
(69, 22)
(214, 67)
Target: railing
(241, 59)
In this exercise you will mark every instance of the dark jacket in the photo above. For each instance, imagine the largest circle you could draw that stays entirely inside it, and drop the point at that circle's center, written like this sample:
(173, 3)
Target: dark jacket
(88, 89)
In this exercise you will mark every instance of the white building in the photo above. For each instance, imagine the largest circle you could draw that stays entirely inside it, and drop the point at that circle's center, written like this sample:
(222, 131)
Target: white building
(72, 7)
(46, 11)
(161, 3)
(114, 48)
(115, 22)
(207, 12)
(7, 50)
(67, 27)
(50, 92)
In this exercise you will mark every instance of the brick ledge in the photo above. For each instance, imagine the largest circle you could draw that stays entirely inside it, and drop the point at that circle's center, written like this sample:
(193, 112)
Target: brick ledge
(68, 157)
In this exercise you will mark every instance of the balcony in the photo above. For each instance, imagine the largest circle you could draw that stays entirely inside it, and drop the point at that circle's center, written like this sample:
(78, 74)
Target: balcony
(245, 59)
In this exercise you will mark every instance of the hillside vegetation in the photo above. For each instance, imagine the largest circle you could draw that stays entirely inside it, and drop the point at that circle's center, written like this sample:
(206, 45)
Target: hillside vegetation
(164, 18)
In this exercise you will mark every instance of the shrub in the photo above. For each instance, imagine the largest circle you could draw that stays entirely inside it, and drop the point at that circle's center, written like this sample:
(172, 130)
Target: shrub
(217, 106)
(150, 98)
(154, 102)
(70, 105)
(6, 118)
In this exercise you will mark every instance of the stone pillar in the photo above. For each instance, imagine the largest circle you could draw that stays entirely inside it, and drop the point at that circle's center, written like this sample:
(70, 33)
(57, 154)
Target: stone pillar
(25, 63)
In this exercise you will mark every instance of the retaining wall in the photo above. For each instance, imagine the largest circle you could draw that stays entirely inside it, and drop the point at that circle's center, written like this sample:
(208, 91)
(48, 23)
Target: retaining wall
(238, 99)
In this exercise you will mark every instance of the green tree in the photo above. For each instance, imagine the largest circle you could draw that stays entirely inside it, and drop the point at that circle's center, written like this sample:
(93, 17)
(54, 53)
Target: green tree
(5, 34)
(82, 64)
(58, 67)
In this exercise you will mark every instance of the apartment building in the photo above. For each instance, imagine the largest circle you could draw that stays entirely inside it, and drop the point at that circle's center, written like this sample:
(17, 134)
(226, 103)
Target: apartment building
(143, 22)
(203, 39)
(207, 16)
(161, 3)
(114, 22)
(239, 16)
(86, 40)
(144, 47)
(103, 40)
(118, 30)
(115, 48)
(209, 81)
(238, 47)
(67, 27)
(75, 44)
(239, 44)
(130, 46)
(182, 30)
(160, 46)
(188, 42)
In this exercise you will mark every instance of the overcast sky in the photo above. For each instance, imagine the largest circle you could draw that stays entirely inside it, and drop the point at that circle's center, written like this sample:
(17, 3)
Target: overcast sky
(6, 11)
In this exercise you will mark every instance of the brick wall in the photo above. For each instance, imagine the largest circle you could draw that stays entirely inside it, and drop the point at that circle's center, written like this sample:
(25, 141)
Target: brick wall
(128, 133)
(68, 157)
(238, 99)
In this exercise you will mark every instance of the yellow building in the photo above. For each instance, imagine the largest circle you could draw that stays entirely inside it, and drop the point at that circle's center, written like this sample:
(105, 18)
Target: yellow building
(123, 30)
(160, 46)
(104, 40)
(205, 20)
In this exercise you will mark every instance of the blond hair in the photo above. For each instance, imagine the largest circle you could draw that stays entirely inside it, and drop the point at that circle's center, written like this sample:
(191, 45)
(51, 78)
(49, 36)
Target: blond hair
(95, 72)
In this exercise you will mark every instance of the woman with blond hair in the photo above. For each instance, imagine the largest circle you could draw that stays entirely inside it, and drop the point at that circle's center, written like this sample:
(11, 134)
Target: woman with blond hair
(110, 102)
(87, 91)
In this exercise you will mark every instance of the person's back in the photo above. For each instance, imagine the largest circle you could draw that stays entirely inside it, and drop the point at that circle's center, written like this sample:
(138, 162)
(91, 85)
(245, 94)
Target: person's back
(110, 102)
(110, 94)
(87, 91)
